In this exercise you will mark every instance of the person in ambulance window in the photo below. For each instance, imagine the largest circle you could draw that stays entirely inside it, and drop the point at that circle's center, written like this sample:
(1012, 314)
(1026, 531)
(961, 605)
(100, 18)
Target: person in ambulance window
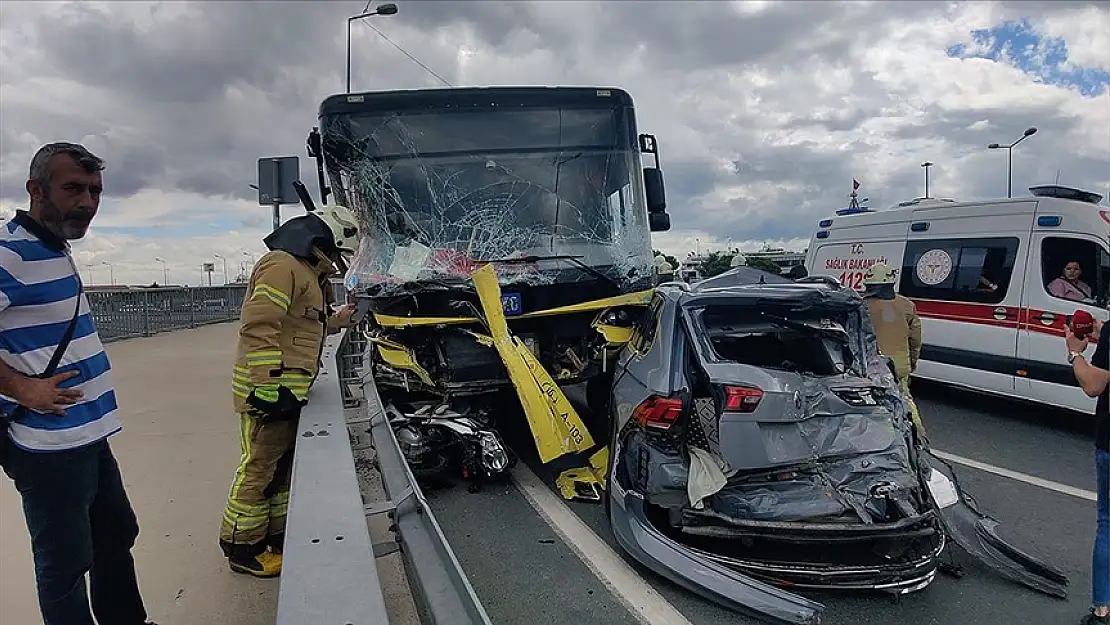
(1069, 286)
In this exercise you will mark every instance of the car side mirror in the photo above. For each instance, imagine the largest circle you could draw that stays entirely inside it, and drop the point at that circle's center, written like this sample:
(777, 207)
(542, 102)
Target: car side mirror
(653, 187)
(659, 222)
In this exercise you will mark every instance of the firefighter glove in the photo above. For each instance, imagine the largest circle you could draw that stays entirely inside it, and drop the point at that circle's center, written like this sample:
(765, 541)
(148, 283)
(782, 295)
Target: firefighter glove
(275, 403)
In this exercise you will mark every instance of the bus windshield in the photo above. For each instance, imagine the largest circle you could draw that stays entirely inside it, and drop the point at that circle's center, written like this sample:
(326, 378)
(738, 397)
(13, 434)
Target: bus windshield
(437, 192)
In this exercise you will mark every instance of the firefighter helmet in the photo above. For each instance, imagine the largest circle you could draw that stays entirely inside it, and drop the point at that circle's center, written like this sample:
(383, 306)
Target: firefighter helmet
(343, 225)
(878, 274)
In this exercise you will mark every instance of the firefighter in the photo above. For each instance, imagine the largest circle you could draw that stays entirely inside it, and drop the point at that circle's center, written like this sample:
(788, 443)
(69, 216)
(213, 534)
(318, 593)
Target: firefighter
(897, 327)
(284, 320)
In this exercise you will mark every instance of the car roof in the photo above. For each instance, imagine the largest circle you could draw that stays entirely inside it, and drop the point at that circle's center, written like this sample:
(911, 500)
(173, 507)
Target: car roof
(806, 294)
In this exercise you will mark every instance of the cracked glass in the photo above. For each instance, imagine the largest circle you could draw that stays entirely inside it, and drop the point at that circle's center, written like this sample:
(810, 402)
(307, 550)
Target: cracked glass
(440, 192)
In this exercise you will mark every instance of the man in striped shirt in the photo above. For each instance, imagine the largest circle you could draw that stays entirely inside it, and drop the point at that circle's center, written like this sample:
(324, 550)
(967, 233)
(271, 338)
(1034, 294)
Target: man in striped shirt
(55, 428)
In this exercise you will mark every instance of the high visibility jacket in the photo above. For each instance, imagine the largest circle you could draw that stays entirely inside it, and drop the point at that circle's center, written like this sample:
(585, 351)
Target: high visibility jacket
(283, 323)
(898, 329)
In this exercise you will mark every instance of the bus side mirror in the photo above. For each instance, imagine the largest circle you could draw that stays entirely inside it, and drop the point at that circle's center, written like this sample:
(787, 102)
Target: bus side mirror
(653, 186)
(659, 222)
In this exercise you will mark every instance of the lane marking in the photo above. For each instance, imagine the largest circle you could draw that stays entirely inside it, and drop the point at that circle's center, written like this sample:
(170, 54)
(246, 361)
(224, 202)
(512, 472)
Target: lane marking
(1089, 495)
(643, 601)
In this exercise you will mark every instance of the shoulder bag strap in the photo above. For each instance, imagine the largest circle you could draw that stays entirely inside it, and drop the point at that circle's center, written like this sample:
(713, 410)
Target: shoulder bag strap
(60, 351)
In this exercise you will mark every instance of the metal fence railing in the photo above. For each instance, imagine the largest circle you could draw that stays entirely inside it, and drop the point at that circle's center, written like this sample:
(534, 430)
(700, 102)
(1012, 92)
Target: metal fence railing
(128, 313)
(123, 314)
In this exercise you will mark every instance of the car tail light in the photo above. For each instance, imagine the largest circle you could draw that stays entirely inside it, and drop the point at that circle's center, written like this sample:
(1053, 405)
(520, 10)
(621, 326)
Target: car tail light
(742, 398)
(658, 412)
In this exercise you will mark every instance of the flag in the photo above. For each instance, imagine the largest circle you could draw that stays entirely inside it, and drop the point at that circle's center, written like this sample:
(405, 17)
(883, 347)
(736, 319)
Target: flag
(855, 184)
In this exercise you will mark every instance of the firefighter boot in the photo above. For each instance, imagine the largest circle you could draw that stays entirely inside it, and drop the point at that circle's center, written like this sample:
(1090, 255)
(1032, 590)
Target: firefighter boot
(254, 560)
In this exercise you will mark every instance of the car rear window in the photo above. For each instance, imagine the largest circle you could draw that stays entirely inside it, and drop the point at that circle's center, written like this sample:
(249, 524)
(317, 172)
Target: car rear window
(742, 335)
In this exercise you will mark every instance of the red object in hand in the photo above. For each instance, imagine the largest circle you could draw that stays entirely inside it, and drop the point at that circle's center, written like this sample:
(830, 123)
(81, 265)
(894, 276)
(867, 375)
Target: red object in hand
(1082, 323)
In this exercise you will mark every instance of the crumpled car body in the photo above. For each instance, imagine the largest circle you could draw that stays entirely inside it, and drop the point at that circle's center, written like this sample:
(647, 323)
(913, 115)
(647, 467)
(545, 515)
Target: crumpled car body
(759, 442)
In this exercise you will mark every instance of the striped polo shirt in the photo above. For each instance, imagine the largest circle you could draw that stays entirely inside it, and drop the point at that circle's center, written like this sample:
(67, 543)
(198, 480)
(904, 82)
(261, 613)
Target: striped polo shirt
(39, 287)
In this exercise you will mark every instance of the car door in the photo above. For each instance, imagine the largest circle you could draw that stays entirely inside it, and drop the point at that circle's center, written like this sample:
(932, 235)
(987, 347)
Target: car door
(1044, 374)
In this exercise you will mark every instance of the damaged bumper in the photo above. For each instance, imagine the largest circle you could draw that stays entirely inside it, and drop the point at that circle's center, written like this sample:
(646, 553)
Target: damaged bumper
(701, 575)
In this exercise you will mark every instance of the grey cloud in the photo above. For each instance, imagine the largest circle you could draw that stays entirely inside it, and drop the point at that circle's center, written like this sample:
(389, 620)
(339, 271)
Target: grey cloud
(192, 103)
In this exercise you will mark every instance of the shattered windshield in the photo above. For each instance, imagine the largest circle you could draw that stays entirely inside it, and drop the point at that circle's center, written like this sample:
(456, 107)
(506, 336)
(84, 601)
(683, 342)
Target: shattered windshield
(437, 192)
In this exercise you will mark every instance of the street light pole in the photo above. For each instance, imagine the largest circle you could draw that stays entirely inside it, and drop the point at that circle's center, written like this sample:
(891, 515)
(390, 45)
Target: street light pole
(165, 272)
(927, 165)
(111, 272)
(1029, 132)
(225, 266)
(385, 9)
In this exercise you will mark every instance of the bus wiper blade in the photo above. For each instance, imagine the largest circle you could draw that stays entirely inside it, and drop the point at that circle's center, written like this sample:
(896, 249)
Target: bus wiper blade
(573, 259)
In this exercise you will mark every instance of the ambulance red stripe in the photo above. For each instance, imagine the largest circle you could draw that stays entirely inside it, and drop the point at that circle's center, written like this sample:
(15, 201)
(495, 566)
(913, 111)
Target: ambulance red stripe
(984, 314)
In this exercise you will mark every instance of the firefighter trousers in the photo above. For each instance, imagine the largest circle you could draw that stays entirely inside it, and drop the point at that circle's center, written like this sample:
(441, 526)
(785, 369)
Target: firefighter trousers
(912, 405)
(258, 500)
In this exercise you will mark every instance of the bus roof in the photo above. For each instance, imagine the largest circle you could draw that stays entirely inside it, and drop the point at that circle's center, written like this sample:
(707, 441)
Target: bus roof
(472, 98)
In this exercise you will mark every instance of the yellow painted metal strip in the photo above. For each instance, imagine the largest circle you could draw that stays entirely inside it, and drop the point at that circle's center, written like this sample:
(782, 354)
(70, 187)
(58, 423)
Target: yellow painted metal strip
(639, 298)
(556, 426)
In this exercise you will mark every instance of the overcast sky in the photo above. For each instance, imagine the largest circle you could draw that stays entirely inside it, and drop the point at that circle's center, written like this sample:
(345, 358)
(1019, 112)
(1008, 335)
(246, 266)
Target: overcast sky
(764, 111)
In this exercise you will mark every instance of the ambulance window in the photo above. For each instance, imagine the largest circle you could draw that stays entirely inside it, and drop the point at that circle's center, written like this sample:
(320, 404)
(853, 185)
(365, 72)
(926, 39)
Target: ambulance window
(959, 270)
(1061, 256)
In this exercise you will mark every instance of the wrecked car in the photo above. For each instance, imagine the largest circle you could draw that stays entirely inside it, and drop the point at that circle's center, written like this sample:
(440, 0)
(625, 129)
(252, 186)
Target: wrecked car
(759, 442)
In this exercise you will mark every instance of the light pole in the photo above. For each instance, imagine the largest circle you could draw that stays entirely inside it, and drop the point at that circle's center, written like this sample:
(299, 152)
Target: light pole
(927, 165)
(165, 272)
(385, 9)
(111, 272)
(1029, 132)
(225, 266)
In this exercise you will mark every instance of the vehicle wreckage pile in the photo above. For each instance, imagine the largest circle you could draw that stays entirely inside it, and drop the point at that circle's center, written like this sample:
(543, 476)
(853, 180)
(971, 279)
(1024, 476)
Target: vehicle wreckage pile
(746, 435)
(758, 441)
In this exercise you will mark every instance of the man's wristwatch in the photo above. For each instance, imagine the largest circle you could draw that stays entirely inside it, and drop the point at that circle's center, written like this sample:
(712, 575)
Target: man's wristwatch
(1073, 355)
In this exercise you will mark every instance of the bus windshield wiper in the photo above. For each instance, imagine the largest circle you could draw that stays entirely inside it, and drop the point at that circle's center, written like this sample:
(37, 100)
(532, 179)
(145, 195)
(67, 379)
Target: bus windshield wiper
(519, 260)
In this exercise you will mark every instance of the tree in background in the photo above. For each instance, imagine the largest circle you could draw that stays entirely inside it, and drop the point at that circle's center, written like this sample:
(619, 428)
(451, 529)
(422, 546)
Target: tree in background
(764, 264)
(716, 263)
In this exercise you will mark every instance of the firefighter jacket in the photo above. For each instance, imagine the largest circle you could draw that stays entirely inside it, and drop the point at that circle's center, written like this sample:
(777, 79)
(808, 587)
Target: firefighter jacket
(283, 324)
(898, 330)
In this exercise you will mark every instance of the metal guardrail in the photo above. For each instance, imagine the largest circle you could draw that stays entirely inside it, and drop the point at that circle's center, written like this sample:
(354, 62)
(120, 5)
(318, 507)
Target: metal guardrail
(329, 573)
(441, 589)
(327, 580)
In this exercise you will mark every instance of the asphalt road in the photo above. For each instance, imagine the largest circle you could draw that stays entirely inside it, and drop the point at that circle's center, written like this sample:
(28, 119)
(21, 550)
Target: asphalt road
(525, 573)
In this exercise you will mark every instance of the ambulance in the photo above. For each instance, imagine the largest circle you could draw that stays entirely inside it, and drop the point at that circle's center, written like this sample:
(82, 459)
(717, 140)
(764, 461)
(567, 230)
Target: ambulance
(988, 280)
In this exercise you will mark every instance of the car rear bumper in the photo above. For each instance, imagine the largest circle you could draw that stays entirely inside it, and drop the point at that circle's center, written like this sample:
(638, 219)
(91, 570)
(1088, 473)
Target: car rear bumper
(699, 574)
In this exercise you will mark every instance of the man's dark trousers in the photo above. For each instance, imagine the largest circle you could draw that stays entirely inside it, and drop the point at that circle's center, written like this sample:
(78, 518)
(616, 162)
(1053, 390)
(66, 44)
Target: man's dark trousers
(80, 520)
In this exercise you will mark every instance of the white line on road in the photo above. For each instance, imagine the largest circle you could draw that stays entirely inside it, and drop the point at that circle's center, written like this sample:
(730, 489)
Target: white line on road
(649, 607)
(1021, 477)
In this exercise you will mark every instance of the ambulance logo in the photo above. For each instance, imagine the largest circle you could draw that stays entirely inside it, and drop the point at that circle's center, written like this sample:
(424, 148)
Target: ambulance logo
(934, 267)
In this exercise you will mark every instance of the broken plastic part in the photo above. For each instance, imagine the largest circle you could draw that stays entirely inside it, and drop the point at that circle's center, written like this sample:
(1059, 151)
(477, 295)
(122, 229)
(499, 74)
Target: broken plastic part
(585, 483)
(438, 192)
